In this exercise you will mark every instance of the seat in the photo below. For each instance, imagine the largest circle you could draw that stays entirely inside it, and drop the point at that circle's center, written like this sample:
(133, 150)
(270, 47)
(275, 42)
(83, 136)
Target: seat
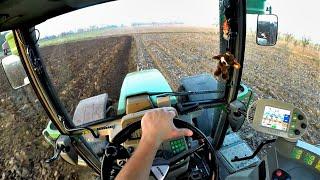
(89, 110)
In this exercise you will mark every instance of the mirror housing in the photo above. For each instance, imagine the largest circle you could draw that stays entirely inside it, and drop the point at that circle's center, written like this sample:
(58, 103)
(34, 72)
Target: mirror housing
(267, 30)
(15, 72)
(256, 6)
(11, 43)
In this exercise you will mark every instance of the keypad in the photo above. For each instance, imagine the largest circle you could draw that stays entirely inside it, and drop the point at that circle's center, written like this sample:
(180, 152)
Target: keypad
(297, 125)
(177, 145)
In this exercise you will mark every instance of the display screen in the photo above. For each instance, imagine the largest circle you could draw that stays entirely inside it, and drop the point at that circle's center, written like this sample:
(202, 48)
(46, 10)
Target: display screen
(296, 153)
(309, 158)
(275, 118)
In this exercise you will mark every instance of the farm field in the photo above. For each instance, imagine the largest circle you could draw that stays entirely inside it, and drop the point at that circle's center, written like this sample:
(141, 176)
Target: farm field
(89, 67)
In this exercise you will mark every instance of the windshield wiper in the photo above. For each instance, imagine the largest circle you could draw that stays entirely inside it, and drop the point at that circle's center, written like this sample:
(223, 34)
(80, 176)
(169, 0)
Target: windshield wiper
(184, 93)
(197, 105)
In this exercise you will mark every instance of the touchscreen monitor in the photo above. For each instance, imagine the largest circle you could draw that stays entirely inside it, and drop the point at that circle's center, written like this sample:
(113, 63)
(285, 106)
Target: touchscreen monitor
(275, 118)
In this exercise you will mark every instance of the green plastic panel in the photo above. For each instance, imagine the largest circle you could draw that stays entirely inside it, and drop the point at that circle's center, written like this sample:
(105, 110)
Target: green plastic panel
(246, 90)
(12, 44)
(146, 81)
(256, 6)
(51, 133)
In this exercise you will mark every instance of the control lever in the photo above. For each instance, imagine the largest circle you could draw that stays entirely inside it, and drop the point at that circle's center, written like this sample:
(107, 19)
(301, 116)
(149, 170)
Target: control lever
(236, 158)
(57, 151)
(63, 145)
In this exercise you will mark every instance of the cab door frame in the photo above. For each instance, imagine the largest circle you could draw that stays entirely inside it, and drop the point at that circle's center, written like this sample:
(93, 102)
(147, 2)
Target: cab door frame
(35, 69)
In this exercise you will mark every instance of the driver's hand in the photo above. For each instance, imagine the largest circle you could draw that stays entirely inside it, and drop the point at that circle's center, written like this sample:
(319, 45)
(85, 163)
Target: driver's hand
(157, 126)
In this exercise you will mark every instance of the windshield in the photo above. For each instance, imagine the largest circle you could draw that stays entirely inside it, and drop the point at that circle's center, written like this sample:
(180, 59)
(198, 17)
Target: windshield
(90, 51)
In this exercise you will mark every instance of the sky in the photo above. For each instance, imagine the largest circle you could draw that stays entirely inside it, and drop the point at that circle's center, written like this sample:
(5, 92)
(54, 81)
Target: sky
(297, 17)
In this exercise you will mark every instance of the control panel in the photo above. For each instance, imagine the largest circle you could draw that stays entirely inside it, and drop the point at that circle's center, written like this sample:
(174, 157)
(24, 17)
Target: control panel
(306, 154)
(279, 119)
(170, 148)
(299, 159)
(178, 145)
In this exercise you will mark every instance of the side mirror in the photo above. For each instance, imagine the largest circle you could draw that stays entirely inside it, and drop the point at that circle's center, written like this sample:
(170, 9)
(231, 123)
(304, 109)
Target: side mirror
(14, 70)
(267, 30)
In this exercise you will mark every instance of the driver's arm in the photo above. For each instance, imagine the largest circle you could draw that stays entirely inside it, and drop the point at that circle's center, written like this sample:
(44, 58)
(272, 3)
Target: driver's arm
(157, 126)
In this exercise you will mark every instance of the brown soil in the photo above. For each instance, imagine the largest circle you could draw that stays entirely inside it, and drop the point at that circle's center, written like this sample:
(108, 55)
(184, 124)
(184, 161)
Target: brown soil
(77, 70)
(86, 68)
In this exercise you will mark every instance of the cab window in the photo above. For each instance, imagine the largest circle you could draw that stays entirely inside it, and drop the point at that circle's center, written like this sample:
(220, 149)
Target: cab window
(90, 51)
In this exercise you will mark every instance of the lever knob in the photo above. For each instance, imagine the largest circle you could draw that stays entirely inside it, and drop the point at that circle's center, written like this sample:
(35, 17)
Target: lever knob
(57, 152)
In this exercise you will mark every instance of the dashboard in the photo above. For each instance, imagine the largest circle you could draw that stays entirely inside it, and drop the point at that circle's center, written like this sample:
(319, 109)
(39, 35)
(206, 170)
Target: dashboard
(306, 154)
(299, 160)
(289, 157)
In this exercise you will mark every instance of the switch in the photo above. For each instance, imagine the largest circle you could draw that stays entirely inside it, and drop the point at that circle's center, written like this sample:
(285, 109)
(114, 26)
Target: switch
(279, 173)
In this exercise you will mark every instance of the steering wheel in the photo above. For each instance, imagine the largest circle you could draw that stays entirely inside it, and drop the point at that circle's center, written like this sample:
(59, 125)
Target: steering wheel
(115, 151)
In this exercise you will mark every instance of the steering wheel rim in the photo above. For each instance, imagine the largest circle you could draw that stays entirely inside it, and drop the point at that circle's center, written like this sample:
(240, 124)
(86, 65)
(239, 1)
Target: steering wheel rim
(124, 134)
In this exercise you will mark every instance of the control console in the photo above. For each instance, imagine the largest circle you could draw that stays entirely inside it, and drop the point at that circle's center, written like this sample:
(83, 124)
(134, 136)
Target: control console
(288, 157)
(279, 119)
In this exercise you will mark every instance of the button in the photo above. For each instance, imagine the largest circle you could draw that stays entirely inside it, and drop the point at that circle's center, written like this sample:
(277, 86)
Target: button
(175, 142)
(279, 173)
(300, 117)
(296, 132)
(303, 125)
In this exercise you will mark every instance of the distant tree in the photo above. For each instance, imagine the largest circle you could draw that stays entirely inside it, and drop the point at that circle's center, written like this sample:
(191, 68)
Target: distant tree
(288, 38)
(81, 30)
(49, 37)
(63, 34)
(93, 27)
(305, 42)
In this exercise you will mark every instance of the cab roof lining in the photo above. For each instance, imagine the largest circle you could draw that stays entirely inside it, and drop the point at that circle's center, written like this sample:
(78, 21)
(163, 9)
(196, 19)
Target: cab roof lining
(26, 13)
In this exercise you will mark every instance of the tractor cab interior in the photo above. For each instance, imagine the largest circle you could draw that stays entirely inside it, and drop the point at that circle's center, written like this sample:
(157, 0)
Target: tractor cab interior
(97, 80)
